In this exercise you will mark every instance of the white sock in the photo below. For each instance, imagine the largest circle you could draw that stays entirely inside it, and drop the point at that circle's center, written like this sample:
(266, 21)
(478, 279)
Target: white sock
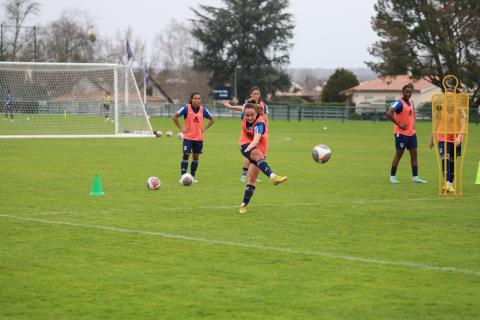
(272, 175)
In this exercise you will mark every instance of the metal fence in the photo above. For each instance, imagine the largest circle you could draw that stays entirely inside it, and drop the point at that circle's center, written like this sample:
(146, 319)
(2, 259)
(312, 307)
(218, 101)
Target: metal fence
(303, 113)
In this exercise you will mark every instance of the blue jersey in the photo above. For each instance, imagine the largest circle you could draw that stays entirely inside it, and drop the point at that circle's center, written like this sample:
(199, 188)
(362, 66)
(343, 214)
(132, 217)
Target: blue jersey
(183, 111)
(398, 106)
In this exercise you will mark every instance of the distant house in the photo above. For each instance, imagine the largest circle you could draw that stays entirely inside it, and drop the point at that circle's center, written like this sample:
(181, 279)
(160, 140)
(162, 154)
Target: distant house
(381, 90)
(311, 94)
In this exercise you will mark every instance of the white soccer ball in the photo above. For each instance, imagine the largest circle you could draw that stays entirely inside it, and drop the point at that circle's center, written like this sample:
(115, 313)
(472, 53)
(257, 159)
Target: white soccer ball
(321, 153)
(169, 133)
(187, 179)
(153, 183)
(158, 133)
(180, 135)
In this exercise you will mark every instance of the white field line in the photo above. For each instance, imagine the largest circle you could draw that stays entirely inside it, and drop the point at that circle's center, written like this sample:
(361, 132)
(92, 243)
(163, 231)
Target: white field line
(411, 265)
(233, 206)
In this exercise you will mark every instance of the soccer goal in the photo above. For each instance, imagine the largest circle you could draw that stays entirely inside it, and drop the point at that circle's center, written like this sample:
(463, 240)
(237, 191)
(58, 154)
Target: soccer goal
(70, 100)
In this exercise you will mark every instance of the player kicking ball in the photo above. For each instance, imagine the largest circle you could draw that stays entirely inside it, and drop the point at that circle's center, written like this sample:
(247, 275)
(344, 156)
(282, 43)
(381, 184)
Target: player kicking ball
(254, 147)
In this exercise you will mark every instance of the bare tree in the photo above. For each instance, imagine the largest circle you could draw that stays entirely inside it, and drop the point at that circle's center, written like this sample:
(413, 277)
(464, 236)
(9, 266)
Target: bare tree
(16, 14)
(70, 38)
(113, 50)
(172, 57)
(172, 48)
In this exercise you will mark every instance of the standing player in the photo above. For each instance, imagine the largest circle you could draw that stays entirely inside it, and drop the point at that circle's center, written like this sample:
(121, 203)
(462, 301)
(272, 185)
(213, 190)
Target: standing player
(402, 114)
(263, 111)
(193, 131)
(254, 147)
(9, 105)
(107, 101)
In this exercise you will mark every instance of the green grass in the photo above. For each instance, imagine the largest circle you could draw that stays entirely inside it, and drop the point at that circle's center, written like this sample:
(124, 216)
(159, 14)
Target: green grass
(336, 241)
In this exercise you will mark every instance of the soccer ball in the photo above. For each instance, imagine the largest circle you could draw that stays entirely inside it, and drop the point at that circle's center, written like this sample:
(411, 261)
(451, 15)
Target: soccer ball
(180, 135)
(187, 179)
(153, 183)
(169, 133)
(158, 133)
(321, 153)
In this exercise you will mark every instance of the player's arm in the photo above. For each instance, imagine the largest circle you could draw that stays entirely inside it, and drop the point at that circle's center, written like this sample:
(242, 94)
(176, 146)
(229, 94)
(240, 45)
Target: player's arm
(258, 132)
(265, 113)
(208, 115)
(175, 117)
(390, 116)
(229, 106)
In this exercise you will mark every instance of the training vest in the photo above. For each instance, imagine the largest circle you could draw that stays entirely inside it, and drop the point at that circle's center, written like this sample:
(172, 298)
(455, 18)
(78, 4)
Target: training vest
(246, 136)
(407, 117)
(194, 124)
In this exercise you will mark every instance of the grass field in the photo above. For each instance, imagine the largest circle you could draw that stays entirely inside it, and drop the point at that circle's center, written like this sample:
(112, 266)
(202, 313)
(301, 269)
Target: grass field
(335, 241)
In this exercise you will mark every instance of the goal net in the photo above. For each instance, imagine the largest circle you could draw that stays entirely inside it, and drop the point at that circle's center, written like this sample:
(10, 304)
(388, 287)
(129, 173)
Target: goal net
(70, 100)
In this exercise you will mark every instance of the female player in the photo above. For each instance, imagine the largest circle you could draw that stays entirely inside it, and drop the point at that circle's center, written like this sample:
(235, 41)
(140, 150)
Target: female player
(254, 147)
(193, 131)
(263, 110)
(403, 116)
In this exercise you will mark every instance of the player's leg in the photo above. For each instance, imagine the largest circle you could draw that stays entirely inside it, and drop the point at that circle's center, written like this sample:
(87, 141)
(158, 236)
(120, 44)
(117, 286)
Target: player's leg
(197, 147)
(453, 154)
(441, 152)
(414, 163)
(393, 170)
(187, 150)
(259, 160)
(245, 165)
(250, 187)
(412, 148)
(105, 112)
(399, 149)
(10, 110)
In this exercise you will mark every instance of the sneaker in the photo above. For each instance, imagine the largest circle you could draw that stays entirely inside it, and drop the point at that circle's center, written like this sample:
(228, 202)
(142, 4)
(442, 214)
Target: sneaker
(418, 180)
(243, 178)
(243, 208)
(194, 180)
(394, 180)
(450, 187)
(278, 179)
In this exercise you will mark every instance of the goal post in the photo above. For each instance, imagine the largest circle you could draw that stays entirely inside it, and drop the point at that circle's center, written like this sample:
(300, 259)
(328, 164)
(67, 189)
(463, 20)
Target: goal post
(70, 100)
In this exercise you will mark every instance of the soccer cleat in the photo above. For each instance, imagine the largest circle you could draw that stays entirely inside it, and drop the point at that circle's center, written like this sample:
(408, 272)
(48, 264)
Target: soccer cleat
(418, 180)
(394, 180)
(243, 208)
(278, 179)
(194, 180)
(243, 178)
(180, 181)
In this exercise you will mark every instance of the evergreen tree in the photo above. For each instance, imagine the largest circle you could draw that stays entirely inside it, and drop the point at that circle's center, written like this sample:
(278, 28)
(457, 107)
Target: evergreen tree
(340, 80)
(246, 38)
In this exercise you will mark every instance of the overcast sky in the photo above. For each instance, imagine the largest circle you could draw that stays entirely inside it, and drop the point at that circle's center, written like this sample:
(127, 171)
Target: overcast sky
(328, 34)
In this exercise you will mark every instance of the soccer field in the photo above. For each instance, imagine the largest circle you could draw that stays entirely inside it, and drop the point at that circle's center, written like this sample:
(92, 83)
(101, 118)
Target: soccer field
(335, 241)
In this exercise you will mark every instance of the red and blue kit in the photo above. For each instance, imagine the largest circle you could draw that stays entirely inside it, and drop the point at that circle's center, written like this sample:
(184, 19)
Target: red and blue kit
(405, 114)
(193, 117)
(248, 132)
